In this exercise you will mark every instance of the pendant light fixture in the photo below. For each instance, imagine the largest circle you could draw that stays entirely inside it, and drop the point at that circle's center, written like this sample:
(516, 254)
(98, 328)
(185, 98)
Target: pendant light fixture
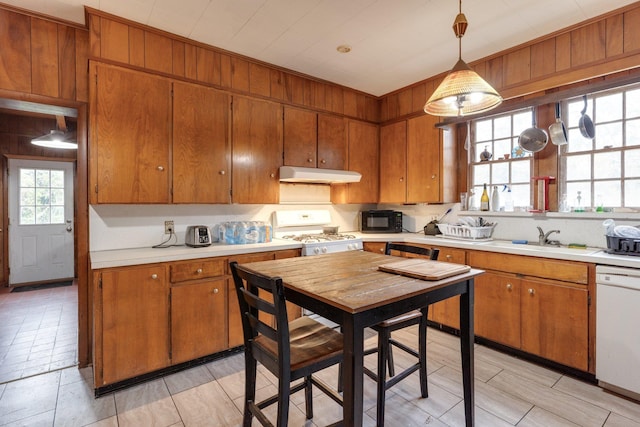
(463, 91)
(58, 138)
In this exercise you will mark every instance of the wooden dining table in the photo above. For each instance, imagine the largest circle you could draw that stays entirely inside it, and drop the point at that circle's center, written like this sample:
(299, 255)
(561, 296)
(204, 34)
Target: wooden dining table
(349, 289)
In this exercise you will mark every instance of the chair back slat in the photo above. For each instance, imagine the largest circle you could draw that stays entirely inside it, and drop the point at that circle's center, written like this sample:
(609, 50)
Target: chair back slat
(431, 253)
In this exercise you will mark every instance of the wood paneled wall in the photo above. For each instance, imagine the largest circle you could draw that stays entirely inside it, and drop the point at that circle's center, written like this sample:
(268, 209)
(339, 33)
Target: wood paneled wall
(121, 41)
(42, 57)
(603, 46)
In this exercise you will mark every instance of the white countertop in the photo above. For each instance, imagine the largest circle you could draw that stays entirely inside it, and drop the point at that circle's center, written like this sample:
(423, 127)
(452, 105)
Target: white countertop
(127, 257)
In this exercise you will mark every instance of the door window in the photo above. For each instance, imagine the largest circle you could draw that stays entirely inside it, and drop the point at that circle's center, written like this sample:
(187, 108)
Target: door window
(41, 196)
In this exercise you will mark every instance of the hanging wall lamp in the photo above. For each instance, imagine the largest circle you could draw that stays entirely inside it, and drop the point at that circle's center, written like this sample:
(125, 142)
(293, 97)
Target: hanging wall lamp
(58, 138)
(463, 91)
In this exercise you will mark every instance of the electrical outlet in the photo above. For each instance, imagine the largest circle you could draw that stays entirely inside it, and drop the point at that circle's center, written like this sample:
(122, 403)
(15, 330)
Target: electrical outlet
(168, 227)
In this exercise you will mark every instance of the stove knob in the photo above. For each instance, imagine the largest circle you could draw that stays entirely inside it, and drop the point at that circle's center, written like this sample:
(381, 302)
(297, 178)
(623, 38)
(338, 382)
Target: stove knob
(316, 250)
(351, 247)
(324, 249)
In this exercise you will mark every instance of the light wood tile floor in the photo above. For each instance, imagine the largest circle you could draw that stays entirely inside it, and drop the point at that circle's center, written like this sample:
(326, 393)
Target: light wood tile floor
(509, 392)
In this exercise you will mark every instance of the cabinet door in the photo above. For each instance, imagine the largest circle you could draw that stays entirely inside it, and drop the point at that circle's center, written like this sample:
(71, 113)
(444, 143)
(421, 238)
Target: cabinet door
(363, 157)
(555, 322)
(130, 129)
(377, 247)
(424, 158)
(447, 312)
(135, 322)
(497, 308)
(393, 163)
(201, 149)
(332, 142)
(257, 150)
(198, 319)
(300, 137)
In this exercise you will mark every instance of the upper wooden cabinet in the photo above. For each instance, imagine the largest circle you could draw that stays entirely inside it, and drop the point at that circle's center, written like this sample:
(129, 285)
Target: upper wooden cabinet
(130, 133)
(363, 155)
(201, 146)
(313, 139)
(416, 164)
(257, 150)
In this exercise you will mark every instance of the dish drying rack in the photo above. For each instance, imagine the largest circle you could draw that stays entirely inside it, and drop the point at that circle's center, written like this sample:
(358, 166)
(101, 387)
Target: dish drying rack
(466, 232)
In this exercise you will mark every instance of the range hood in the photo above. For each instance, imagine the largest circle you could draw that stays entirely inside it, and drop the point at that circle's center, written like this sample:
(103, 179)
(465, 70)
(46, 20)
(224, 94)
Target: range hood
(315, 175)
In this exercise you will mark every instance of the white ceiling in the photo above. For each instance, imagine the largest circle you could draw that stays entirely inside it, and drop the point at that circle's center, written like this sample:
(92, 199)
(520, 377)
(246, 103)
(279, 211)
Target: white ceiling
(394, 42)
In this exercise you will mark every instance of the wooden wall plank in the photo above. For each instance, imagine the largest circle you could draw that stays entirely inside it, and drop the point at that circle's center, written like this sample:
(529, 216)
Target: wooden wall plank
(563, 52)
(294, 89)
(517, 66)
(337, 99)
(319, 95)
(588, 44)
(350, 103)
(615, 36)
(276, 80)
(225, 70)
(239, 74)
(15, 54)
(178, 58)
(67, 58)
(191, 61)
(418, 97)
(82, 65)
(405, 101)
(45, 70)
(95, 34)
(259, 80)
(543, 58)
(114, 41)
(495, 73)
(158, 52)
(136, 47)
(208, 66)
(631, 33)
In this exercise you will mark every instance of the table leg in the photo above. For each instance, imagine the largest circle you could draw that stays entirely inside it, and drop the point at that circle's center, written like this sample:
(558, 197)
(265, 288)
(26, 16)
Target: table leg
(466, 348)
(352, 372)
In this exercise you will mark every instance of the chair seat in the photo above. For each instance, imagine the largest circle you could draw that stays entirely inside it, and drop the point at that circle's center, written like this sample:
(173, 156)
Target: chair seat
(310, 342)
(399, 321)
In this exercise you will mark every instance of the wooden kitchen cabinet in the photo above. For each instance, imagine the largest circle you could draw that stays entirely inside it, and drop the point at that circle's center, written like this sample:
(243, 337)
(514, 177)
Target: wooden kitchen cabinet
(314, 140)
(201, 150)
(257, 150)
(540, 306)
(393, 163)
(377, 247)
(363, 155)
(130, 132)
(132, 331)
(447, 312)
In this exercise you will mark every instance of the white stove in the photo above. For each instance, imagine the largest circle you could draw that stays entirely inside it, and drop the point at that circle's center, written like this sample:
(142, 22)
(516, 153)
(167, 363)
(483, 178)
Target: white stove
(305, 226)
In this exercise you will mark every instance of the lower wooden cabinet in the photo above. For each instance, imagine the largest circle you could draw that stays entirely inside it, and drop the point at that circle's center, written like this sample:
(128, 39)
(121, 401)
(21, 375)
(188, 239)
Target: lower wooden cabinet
(133, 330)
(447, 312)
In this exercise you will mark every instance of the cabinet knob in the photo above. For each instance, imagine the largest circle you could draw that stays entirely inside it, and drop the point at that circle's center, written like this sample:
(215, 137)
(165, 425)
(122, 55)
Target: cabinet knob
(449, 257)
(323, 161)
(309, 160)
(222, 172)
(215, 290)
(381, 250)
(532, 291)
(160, 168)
(433, 176)
(509, 286)
(273, 175)
(199, 271)
(401, 179)
(154, 276)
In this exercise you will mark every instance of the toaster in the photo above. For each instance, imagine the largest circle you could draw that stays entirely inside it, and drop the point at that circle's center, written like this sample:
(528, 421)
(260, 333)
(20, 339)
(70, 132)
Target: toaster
(197, 236)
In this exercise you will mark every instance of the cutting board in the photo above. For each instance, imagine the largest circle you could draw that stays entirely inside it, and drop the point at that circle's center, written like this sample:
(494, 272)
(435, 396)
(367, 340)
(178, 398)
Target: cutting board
(424, 269)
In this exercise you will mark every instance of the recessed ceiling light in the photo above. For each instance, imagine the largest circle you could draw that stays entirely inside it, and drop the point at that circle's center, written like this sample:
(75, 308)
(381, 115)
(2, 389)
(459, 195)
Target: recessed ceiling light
(343, 48)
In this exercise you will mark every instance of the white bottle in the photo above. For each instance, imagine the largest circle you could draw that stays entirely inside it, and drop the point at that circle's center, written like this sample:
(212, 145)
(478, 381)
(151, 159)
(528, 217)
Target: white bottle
(495, 199)
(508, 201)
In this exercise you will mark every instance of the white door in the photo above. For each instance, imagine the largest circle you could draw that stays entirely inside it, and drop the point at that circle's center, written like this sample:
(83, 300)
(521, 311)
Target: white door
(40, 221)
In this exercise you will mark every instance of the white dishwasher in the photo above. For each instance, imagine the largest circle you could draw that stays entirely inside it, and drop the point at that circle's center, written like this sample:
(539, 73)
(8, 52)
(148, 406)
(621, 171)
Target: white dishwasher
(617, 329)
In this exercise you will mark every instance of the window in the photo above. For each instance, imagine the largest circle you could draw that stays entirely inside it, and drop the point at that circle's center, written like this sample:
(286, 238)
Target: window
(41, 196)
(605, 171)
(509, 164)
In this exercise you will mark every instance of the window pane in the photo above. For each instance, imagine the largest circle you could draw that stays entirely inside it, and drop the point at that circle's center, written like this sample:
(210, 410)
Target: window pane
(501, 147)
(57, 197)
(500, 173)
(584, 197)
(632, 163)
(578, 167)
(633, 104)
(521, 171)
(609, 108)
(632, 135)
(57, 215)
(43, 215)
(43, 196)
(521, 121)
(502, 127)
(577, 142)
(609, 135)
(27, 196)
(607, 193)
(57, 179)
(607, 165)
(574, 112)
(483, 130)
(521, 195)
(42, 178)
(27, 178)
(27, 215)
(481, 174)
(632, 193)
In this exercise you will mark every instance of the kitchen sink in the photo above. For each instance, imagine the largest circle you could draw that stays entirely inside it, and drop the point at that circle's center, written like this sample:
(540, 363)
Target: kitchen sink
(534, 247)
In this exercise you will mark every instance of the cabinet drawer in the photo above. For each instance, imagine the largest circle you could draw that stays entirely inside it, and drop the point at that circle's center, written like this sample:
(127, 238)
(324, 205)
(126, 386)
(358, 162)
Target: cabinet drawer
(566, 271)
(192, 270)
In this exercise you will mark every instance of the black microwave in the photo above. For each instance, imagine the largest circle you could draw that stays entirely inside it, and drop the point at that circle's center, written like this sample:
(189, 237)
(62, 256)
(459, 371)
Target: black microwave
(381, 221)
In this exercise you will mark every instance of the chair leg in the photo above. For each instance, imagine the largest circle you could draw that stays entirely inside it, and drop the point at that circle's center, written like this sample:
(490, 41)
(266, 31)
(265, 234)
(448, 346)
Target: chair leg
(284, 395)
(383, 357)
(249, 387)
(339, 377)
(308, 397)
(387, 340)
(422, 352)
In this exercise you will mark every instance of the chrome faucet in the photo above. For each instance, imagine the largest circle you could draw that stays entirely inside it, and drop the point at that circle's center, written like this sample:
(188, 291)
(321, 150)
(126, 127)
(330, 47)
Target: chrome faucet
(543, 238)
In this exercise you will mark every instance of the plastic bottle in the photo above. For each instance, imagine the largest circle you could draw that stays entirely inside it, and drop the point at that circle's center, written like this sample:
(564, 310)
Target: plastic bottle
(578, 207)
(508, 200)
(495, 199)
(473, 202)
(484, 199)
